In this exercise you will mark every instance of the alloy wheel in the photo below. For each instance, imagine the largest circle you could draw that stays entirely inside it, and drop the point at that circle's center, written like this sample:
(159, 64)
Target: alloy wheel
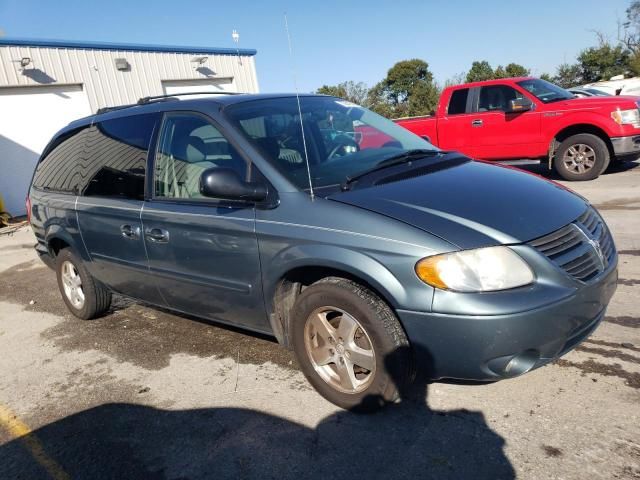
(339, 349)
(579, 158)
(72, 285)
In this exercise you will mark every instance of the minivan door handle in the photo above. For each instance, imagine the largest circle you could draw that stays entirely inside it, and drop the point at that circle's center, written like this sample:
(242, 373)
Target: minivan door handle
(130, 232)
(157, 235)
(476, 123)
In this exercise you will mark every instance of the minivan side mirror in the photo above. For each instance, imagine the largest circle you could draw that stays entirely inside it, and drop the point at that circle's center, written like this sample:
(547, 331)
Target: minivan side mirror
(226, 184)
(518, 105)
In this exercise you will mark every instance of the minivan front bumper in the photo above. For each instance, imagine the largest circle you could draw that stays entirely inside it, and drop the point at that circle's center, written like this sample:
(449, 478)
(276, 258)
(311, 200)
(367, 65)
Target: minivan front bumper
(493, 347)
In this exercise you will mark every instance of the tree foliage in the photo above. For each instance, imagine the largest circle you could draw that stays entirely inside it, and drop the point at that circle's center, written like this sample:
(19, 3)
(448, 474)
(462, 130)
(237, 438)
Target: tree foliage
(603, 62)
(407, 90)
(480, 71)
(356, 92)
(568, 76)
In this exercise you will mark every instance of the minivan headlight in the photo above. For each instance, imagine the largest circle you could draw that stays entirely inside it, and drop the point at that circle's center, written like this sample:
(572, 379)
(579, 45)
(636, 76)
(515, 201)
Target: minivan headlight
(626, 117)
(480, 270)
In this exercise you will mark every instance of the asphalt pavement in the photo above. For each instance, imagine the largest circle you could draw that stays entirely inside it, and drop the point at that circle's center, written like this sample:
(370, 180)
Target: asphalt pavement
(142, 393)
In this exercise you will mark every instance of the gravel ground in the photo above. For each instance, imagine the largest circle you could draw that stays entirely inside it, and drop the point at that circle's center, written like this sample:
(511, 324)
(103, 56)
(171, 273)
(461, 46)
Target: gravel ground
(142, 393)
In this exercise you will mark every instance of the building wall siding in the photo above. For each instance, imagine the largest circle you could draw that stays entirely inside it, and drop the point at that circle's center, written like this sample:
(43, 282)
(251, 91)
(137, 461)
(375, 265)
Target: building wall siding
(107, 86)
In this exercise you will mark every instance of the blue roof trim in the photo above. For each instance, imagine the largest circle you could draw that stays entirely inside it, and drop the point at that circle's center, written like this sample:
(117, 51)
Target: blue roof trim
(137, 47)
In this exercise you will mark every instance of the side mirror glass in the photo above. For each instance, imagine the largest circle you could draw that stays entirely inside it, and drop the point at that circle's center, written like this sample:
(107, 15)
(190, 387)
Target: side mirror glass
(226, 184)
(518, 105)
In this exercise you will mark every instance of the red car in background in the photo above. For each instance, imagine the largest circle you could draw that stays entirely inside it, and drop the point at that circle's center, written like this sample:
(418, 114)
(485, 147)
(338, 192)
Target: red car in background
(529, 118)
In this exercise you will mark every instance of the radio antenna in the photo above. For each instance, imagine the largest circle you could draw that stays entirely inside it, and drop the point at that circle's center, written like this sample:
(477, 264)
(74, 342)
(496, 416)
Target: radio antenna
(295, 86)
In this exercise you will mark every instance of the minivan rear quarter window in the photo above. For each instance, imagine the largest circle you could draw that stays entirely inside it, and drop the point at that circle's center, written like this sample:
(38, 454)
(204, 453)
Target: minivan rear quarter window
(119, 149)
(105, 159)
(57, 171)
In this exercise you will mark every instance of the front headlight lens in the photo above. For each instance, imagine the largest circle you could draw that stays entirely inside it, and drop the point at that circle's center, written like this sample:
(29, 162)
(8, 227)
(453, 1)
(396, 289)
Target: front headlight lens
(481, 270)
(626, 117)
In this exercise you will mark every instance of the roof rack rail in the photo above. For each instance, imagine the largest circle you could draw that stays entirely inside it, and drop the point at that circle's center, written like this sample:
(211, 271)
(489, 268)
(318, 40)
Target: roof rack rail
(160, 98)
(145, 100)
(112, 109)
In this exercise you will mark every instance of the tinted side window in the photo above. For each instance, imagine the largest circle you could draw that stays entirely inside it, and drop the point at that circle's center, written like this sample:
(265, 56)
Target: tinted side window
(458, 102)
(58, 170)
(188, 146)
(496, 97)
(117, 157)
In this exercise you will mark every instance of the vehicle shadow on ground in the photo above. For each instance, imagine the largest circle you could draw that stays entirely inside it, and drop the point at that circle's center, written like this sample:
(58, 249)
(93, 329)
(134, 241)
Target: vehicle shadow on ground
(124, 441)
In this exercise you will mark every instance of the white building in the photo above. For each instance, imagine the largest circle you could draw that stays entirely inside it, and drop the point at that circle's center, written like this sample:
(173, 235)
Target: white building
(44, 85)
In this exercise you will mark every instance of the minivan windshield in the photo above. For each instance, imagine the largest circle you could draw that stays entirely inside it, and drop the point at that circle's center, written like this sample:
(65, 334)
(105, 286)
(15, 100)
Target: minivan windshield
(545, 91)
(342, 139)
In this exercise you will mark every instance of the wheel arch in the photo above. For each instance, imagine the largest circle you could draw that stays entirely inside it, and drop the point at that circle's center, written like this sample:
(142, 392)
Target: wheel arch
(287, 280)
(57, 238)
(576, 129)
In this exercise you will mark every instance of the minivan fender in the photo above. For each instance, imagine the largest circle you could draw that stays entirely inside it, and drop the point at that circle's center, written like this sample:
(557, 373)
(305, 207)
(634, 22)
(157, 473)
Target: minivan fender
(355, 264)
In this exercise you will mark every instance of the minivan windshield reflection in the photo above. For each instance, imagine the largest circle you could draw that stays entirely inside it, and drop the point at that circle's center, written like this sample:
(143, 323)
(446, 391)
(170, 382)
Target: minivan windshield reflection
(342, 139)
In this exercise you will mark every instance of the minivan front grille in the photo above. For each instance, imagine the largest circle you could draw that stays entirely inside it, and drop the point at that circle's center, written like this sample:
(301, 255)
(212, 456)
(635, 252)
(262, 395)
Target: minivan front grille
(583, 248)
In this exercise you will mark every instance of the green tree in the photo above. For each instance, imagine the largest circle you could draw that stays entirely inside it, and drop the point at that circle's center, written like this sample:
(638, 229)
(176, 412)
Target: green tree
(356, 92)
(333, 90)
(378, 101)
(407, 90)
(480, 71)
(568, 75)
(603, 62)
(500, 72)
(516, 70)
(547, 77)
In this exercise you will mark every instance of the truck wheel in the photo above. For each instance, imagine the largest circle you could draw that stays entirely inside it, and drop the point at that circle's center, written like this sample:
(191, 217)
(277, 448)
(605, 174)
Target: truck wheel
(581, 157)
(85, 297)
(350, 345)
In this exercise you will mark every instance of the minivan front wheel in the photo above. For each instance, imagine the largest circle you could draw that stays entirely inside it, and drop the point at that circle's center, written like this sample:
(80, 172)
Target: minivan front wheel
(581, 157)
(350, 345)
(84, 296)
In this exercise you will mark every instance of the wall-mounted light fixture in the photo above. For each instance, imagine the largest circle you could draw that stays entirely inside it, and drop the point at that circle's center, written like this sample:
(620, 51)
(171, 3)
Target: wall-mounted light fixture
(25, 61)
(122, 65)
(200, 60)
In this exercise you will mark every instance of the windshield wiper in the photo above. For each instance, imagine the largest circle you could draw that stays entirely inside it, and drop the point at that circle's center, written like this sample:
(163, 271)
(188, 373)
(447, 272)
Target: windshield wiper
(397, 159)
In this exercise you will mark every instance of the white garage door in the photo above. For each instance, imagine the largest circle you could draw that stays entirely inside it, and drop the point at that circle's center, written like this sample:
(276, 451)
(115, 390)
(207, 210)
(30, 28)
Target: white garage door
(29, 116)
(218, 85)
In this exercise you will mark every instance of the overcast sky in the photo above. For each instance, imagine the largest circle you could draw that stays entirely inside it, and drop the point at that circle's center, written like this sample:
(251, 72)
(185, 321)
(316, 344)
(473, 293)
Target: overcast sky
(335, 41)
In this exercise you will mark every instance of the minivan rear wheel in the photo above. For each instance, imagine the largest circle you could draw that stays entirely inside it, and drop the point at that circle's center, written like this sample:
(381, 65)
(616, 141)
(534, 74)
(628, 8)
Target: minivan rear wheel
(350, 345)
(581, 157)
(84, 296)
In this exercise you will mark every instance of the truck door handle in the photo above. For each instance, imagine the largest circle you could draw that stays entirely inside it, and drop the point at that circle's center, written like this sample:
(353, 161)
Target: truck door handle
(130, 232)
(476, 123)
(157, 235)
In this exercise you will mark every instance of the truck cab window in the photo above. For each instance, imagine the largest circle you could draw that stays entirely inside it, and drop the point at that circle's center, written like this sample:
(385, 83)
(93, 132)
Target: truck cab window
(497, 97)
(458, 102)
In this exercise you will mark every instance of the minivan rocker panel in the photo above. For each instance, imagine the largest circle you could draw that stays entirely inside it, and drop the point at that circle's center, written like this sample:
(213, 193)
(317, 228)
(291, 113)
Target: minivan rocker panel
(388, 264)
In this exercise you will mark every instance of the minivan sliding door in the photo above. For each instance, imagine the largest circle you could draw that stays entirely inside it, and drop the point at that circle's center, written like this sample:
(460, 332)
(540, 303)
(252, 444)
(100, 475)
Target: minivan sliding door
(110, 200)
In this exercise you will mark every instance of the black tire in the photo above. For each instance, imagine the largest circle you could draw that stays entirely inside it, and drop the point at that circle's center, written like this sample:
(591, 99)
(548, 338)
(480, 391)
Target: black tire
(393, 363)
(97, 297)
(594, 144)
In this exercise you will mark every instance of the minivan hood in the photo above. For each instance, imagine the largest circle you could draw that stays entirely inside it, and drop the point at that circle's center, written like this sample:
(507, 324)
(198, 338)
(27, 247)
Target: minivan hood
(473, 204)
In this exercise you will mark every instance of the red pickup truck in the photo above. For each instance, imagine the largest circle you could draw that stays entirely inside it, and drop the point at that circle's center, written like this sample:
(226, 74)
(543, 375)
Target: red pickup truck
(529, 118)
